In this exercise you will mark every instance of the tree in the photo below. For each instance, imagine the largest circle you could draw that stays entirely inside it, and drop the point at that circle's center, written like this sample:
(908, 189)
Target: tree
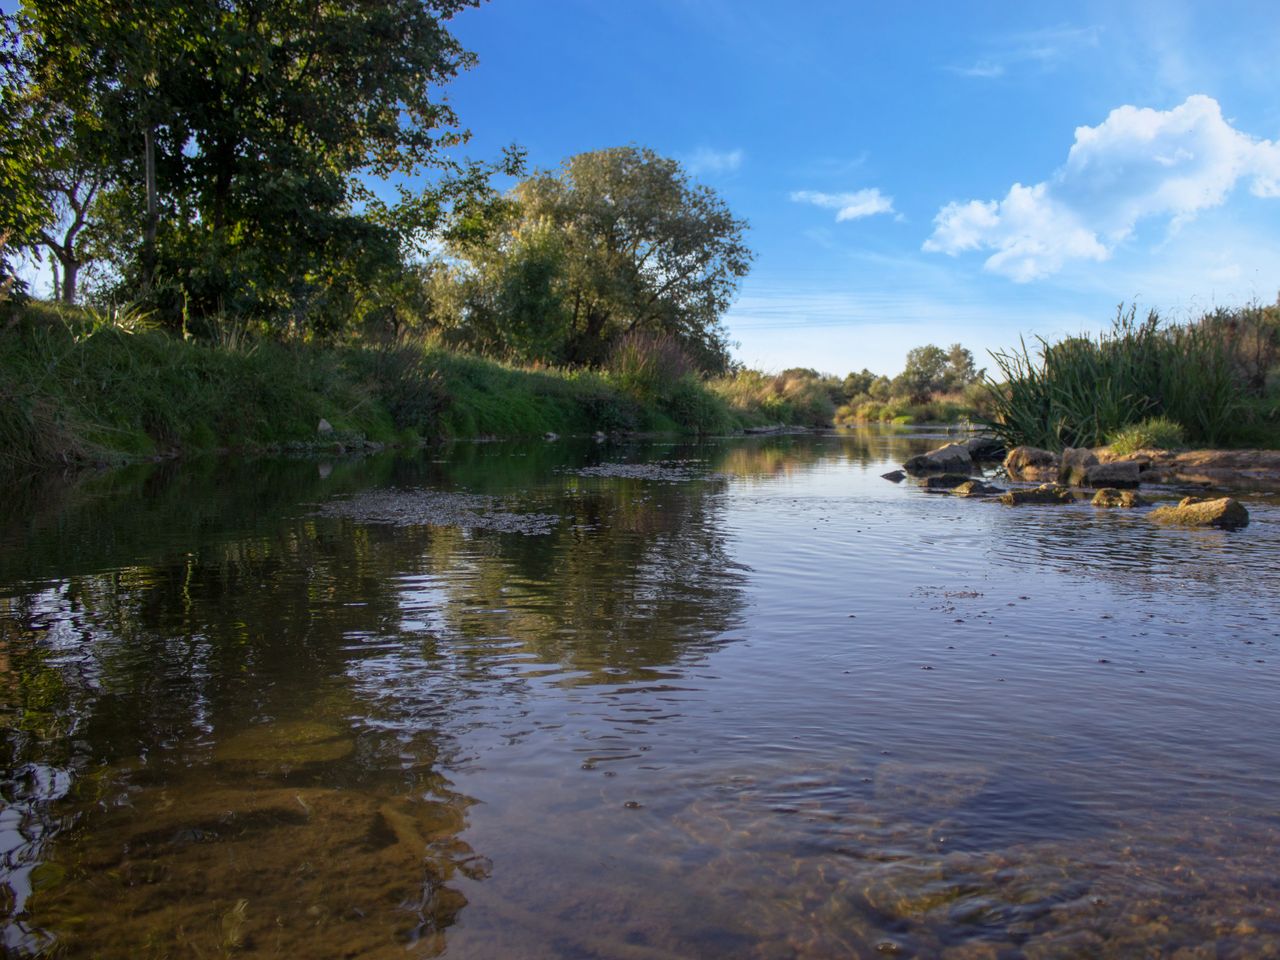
(24, 209)
(857, 384)
(923, 374)
(960, 370)
(640, 248)
(239, 139)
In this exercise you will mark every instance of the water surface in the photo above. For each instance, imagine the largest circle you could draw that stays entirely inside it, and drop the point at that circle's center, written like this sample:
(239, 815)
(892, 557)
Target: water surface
(757, 702)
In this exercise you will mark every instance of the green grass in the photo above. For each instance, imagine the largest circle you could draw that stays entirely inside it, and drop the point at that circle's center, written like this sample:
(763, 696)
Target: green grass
(1156, 433)
(79, 387)
(1080, 391)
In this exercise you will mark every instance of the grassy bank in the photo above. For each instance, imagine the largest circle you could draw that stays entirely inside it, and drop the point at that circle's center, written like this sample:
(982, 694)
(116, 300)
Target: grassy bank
(1209, 383)
(81, 387)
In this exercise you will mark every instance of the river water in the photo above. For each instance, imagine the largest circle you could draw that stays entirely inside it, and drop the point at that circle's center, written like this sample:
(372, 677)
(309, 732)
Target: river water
(738, 698)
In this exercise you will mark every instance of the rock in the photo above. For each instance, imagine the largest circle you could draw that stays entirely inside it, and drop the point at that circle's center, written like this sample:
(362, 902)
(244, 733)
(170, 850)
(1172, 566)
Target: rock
(1111, 497)
(1074, 464)
(1124, 473)
(1031, 463)
(951, 456)
(945, 481)
(550, 436)
(1203, 466)
(985, 448)
(894, 476)
(976, 488)
(1224, 512)
(1045, 493)
(599, 436)
(324, 427)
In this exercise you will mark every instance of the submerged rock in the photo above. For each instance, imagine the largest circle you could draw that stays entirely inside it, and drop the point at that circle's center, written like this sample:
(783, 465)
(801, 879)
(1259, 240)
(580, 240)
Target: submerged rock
(945, 481)
(1031, 463)
(894, 476)
(950, 456)
(976, 488)
(1224, 512)
(280, 747)
(1111, 497)
(1046, 493)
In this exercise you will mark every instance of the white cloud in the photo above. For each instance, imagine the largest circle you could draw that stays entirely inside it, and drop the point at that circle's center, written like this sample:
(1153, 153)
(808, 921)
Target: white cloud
(848, 206)
(706, 160)
(1137, 164)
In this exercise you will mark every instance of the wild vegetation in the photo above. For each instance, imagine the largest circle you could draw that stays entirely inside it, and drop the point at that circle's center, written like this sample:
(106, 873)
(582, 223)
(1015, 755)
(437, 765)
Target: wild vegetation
(1208, 382)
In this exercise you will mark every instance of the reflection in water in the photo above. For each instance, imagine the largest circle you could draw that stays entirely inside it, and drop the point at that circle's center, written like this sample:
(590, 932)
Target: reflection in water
(782, 709)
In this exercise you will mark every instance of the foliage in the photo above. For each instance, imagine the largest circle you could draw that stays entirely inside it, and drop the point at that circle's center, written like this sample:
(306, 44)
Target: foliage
(614, 242)
(923, 374)
(1080, 391)
(82, 386)
(1156, 433)
(794, 396)
(262, 118)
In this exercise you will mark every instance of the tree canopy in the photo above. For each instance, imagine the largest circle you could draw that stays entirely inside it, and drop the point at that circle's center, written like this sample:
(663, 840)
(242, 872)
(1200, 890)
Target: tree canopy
(240, 142)
(614, 242)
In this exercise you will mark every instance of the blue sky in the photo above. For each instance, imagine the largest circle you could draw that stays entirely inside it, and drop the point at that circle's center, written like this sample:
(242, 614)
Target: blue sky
(922, 172)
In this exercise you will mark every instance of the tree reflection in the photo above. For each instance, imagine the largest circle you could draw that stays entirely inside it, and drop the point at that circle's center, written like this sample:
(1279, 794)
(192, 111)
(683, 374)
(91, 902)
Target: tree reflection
(226, 720)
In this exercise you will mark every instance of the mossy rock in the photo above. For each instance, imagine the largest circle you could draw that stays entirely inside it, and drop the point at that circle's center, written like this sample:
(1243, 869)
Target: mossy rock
(1112, 497)
(1046, 493)
(1226, 513)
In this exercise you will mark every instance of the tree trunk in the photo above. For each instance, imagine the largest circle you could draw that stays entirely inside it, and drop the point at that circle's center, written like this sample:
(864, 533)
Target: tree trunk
(70, 269)
(149, 238)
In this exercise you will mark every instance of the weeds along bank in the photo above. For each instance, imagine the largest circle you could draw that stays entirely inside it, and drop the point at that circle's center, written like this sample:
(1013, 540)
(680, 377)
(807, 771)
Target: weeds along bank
(1212, 382)
(83, 387)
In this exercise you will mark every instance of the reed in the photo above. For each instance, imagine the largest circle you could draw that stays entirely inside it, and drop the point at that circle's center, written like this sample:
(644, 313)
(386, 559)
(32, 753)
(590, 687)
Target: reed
(1081, 391)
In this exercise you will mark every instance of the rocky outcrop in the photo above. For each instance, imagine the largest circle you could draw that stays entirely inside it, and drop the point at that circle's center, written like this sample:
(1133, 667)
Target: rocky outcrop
(1225, 512)
(949, 458)
(1111, 497)
(976, 488)
(945, 481)
(1046, 493)
(1031, 463)
(1201, 466)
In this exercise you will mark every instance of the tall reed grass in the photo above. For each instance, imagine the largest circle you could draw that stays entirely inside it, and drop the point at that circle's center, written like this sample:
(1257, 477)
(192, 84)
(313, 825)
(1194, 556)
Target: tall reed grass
(1080, 391)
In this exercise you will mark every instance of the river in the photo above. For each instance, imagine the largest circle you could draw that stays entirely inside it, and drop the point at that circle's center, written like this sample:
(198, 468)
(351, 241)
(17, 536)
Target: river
(639, 699)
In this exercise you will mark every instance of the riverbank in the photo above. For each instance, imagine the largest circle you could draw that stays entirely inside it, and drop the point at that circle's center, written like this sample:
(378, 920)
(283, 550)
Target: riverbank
(81, 388)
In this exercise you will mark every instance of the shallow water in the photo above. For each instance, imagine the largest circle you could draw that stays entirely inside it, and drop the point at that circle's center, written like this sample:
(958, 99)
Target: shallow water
(745, 700)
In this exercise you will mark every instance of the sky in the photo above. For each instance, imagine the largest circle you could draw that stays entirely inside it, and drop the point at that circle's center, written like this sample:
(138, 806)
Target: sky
(922, 172)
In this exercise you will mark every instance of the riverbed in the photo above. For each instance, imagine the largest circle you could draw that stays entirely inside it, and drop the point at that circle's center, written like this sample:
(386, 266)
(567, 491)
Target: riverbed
(637, 699)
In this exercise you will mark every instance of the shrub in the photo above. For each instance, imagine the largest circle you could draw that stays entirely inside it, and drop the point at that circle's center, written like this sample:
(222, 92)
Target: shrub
(1157, 433)
(647, 366)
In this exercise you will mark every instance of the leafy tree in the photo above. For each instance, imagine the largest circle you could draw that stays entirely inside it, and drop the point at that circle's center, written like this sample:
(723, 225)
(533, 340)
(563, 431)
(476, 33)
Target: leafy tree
(858, 384)
(924, 373)
(24, 209)
(239, 139)
(960, 370)
(640, 248)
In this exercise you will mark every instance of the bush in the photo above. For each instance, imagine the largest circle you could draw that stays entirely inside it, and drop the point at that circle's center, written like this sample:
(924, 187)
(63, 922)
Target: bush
(1157, 433)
